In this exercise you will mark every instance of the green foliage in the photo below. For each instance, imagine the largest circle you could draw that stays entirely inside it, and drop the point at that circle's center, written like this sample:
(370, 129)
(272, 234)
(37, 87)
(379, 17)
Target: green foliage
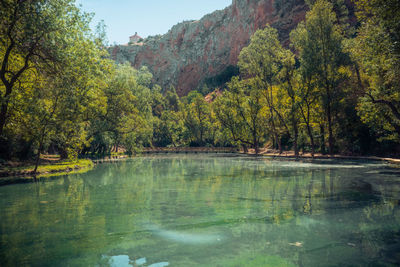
(376, 51)
(384, 14)
(272, 69)
(35, 35)
(241, 111)
(169, 130)
(51, 72)
(305, 94)
(196, 116)
(126, 121)
(320, 44)
(59, 93)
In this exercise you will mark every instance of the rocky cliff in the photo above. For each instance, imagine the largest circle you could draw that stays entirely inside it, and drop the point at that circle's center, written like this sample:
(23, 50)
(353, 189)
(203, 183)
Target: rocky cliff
(194, 51)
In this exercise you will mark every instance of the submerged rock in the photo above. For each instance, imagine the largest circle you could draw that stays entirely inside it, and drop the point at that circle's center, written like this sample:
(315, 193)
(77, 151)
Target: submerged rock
(296, 244)
(159, 264)
(140, 261)
(183, 237)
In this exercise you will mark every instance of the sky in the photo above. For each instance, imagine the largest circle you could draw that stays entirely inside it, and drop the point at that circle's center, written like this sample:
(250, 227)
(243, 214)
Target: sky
(146, 17)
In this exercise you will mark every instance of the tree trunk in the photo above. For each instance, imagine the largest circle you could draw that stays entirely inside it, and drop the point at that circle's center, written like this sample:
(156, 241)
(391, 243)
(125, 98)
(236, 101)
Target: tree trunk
(63, 154)
(309, 129)
(329, 118)
(173, 142)
(296, 136)
(322, 133)
(280, 146)
(296, 149)
(310, 134)
(330, 138)
(3, 115)
(245, 148)
(256, 150)
(36, 163)
(117, 146)
(38, 156)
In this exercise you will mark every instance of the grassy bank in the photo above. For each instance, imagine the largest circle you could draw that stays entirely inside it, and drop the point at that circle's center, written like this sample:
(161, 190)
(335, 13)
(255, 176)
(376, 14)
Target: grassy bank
(22, 172)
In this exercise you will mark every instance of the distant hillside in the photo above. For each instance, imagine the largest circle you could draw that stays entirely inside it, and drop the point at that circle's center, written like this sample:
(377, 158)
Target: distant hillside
(195, 52)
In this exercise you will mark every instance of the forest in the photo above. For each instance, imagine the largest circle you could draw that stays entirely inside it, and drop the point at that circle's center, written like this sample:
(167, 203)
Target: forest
(334, 90)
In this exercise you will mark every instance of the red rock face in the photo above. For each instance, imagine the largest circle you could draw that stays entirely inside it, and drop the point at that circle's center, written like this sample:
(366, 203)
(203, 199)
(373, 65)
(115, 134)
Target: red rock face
(193, 51)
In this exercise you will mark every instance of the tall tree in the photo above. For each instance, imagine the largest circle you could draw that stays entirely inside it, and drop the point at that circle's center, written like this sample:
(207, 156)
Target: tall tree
(376, 51)
(319, 42)
(242, 110)
(128, 115)
(196, 114)
(32, 35)
(272, 68)
(289, 92)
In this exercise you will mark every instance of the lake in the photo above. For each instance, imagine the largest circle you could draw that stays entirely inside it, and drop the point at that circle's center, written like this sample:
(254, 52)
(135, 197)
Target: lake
(206, 210)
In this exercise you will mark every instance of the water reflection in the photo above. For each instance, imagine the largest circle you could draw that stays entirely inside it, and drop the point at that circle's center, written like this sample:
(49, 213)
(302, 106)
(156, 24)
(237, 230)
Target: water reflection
(188, 210)
(183, 237)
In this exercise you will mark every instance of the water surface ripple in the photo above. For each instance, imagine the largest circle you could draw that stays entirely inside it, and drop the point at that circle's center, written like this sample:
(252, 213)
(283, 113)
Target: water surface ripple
(206, 210)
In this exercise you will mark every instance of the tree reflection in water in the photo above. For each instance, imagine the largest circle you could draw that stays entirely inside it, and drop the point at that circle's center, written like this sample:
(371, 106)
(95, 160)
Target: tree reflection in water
(244, 210)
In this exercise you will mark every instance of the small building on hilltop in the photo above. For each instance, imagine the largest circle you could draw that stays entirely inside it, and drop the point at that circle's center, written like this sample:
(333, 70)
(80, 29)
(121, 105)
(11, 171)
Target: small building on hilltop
(134, 39)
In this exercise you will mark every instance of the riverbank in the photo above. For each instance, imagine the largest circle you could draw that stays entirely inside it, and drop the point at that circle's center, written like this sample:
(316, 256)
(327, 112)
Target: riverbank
(264, 153)
(307, 155)
(51, 165)
(22, 172)
(148, 150)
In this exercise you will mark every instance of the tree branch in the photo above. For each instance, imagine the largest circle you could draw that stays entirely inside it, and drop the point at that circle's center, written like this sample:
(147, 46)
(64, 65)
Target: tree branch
(389, 104)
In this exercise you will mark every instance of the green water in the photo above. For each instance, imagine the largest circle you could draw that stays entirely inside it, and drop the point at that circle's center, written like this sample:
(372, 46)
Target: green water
(206, 210)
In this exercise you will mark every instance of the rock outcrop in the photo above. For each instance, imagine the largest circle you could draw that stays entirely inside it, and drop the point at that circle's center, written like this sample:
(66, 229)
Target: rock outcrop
(193, 51)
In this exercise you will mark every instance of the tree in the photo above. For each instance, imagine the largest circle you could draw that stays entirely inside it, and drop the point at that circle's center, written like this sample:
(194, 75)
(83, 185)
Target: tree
(170, 129)
(306, 89)
(196, 114)
(168, 120)
(376, 52)
(242, 110)
(290, 96)
(33, 36)
(51, 72)
(319, 42)
(272, 68)
(308, 106)
(127, 118)
(63, 102)
(383, 13)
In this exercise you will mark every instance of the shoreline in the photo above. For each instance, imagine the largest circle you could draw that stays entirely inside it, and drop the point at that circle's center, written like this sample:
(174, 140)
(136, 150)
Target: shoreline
(23, 173)
(285, 154)
(189, 150)
(266, 153)
(320, 156)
